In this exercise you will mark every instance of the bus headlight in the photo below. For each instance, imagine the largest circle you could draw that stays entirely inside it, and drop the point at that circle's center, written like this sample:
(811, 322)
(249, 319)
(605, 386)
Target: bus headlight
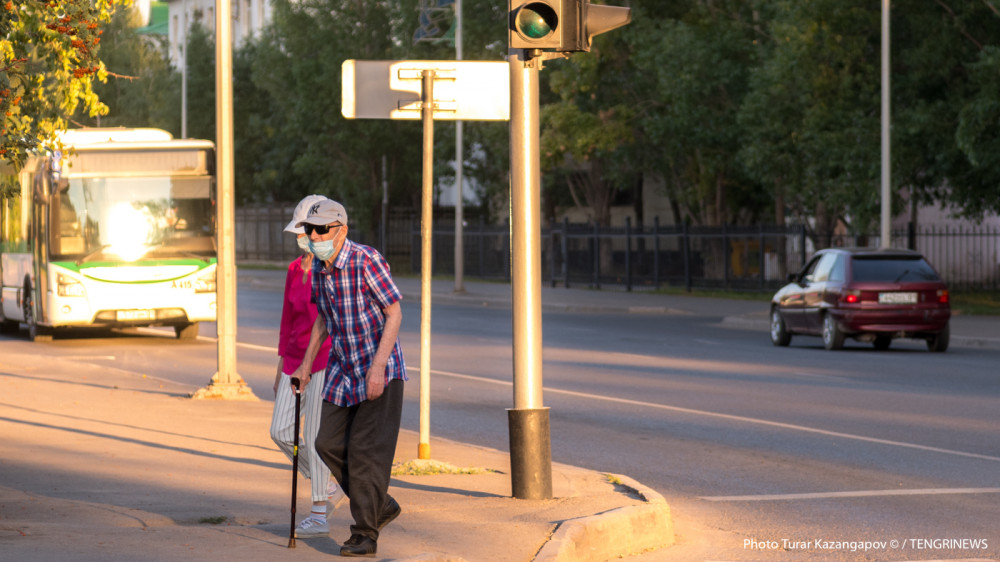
(67, 286)
(205, 283)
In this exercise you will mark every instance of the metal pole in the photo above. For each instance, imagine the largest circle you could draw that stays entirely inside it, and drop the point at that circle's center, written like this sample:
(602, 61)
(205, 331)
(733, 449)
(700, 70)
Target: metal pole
(226, 383)
(184, 71)
(530, 447)
(426, 261)
(886, 241)
(385, 207)
(459, 160)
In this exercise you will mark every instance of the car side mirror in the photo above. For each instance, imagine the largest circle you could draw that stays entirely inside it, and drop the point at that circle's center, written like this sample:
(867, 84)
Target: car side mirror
(793, 277)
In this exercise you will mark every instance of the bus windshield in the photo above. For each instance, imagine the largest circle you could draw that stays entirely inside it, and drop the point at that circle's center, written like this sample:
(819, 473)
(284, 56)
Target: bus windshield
(129, 218)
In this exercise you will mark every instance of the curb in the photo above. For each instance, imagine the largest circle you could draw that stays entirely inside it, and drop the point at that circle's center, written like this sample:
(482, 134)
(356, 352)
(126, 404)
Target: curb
(763, 325)
(613, 534)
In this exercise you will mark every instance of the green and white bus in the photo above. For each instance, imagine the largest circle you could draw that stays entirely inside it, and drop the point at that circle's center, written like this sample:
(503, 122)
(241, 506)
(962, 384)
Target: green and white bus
(117, 230)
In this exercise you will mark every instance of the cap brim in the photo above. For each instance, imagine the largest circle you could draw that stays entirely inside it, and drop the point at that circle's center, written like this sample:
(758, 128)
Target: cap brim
(294, 228)
(313, 220)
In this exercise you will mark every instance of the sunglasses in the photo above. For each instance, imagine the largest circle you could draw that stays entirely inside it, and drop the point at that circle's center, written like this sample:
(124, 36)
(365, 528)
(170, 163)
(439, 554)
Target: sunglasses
(320, 229)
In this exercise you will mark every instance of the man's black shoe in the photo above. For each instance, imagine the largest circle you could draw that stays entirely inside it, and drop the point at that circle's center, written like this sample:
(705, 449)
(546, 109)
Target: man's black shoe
(359, 545)
(392, 511)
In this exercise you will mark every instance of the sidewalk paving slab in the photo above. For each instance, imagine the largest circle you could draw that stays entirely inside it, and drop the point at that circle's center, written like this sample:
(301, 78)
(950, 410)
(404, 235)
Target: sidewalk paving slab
(101, 464)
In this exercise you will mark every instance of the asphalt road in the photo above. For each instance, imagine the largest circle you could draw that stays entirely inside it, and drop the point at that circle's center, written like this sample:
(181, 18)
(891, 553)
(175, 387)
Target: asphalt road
(763, 453)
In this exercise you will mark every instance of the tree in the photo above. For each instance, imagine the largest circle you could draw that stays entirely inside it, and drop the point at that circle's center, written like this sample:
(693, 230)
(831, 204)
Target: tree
(48, 64)
(310, 147)
(200, 69)
(696, 64)
(946, 120)
(142, 89)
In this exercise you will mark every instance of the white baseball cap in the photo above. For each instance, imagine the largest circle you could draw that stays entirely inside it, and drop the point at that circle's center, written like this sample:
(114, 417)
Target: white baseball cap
(301, 211)
(326, 211)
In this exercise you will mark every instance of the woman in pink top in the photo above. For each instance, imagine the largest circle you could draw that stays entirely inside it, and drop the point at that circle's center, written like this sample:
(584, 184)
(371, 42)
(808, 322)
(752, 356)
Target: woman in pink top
(297, 318)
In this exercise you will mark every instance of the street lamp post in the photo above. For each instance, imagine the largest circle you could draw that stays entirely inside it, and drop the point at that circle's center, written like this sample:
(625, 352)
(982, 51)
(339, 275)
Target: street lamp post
(886, 223)
(226, 383)
(459, 160)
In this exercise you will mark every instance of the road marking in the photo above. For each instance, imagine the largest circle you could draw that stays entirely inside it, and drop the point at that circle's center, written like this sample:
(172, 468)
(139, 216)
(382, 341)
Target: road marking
(163, 332)
(678, 409)
(731, 417)
(815, 376)
(858, 494)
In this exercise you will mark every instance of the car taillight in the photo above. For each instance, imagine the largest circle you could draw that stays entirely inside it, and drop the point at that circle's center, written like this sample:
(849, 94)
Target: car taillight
(851, 297)
(942, 296)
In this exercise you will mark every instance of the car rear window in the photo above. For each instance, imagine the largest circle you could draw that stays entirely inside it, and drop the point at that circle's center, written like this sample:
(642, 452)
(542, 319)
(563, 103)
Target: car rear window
(892, 269)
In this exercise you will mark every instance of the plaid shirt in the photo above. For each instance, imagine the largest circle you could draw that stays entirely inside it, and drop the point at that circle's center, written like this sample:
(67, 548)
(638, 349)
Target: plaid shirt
(350, 297)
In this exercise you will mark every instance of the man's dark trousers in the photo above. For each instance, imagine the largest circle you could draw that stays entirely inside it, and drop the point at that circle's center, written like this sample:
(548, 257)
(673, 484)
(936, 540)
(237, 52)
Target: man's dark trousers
(358, 443)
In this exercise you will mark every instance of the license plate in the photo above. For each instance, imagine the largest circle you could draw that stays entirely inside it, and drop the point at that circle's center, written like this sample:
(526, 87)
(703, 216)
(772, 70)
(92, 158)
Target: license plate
(897, 298)
(129, 315)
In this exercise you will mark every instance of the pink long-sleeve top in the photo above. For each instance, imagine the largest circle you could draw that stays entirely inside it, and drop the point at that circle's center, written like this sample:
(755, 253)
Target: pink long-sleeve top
(297, 317)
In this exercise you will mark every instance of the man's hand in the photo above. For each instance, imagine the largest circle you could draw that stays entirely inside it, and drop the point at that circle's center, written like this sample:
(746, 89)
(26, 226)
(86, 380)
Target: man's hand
(303, 374)
(375, 380)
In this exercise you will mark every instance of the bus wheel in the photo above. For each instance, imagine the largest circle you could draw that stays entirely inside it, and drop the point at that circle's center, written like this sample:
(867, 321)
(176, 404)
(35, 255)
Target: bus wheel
(187, 331)
(35, 332)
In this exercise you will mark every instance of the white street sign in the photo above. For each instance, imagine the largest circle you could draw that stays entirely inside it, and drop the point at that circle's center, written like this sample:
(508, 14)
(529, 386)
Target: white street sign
(463, 90)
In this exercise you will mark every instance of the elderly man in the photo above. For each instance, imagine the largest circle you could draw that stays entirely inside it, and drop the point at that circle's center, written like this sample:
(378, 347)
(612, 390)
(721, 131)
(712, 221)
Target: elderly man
(359, 309)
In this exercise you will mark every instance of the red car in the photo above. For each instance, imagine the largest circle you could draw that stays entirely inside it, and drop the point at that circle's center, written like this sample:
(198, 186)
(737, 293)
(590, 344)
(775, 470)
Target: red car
(870, 295)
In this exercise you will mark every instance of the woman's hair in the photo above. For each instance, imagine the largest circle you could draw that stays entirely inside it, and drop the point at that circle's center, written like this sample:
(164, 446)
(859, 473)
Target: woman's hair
(306, 265)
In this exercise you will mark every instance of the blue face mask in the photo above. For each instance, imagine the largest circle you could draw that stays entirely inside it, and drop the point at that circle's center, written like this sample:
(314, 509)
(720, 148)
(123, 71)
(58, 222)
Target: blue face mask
(303, 242)
(322, 250)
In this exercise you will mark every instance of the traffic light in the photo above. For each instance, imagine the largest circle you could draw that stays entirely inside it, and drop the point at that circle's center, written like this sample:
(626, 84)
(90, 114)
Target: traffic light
(564, 26)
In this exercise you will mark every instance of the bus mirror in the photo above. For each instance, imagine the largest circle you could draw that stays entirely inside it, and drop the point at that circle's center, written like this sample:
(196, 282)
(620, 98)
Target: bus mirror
(41, 188)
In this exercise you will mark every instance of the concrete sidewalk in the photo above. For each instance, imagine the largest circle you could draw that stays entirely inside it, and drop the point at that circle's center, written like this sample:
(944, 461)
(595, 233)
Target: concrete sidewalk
(100, 464)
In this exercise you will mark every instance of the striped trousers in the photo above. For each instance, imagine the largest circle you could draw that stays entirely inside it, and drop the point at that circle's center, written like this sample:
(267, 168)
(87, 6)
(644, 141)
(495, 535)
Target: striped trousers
(283, 430)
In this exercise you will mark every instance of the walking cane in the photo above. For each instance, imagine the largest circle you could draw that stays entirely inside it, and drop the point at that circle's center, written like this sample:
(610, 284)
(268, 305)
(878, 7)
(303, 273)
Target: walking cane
(295, 462)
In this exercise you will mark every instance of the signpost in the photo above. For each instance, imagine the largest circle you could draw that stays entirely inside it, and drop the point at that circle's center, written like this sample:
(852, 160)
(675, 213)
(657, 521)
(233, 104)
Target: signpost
(428, 90)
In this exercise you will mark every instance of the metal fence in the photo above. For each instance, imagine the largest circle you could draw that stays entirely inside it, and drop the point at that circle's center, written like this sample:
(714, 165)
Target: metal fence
(638, 257)
(260, 235)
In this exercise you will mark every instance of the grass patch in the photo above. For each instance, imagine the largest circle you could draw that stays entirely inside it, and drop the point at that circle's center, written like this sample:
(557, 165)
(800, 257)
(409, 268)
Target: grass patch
(213, 520)
(970, 303)
(976, 303)
(429, 467)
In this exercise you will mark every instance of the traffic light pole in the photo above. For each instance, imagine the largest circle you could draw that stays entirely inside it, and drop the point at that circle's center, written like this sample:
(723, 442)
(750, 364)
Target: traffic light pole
(528, 420)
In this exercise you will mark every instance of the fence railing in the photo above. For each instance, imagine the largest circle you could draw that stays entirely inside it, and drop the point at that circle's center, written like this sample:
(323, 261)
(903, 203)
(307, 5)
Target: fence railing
(642, 256)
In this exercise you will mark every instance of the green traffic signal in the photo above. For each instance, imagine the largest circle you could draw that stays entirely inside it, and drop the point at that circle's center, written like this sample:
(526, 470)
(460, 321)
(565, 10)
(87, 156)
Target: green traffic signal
(536, 20)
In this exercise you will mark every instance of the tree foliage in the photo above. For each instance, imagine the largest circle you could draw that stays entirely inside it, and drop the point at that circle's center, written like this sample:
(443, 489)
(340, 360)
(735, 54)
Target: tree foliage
(48, 64)
(746, 111)
(141, 86)
(294, 140)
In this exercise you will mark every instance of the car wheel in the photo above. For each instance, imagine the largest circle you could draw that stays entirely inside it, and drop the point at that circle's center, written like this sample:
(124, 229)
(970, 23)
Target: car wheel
(187, 331)
(882, 343)
(779, 334)
(939, 342)
(833, 338)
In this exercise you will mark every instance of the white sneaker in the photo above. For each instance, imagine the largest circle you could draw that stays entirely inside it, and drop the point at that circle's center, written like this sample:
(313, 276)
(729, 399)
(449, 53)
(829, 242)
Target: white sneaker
(312, 527)
(335, 495)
